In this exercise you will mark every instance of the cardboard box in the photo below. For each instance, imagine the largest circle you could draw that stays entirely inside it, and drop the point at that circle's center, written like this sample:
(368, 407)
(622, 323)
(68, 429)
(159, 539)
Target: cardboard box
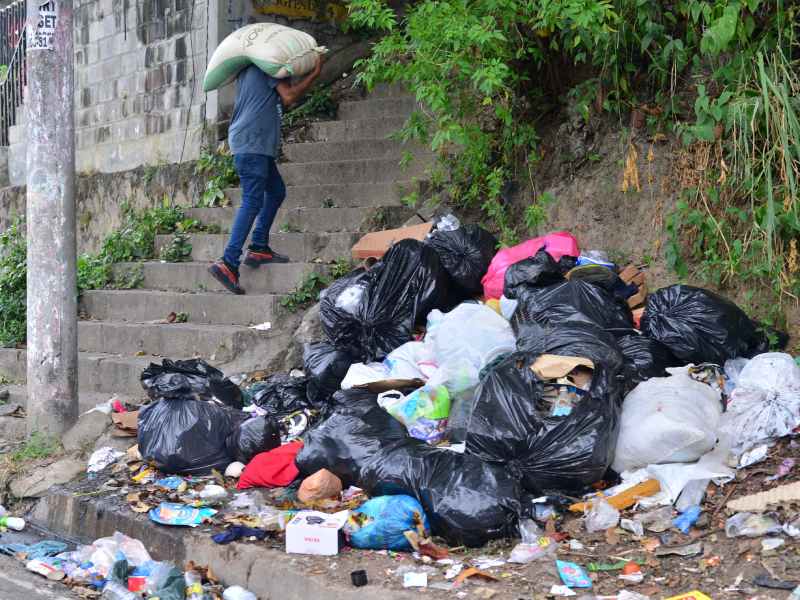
(312, 532)
(375, 244)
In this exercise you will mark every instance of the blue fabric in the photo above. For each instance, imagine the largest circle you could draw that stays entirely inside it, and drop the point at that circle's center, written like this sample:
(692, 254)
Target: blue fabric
(263, 192)
(256, 123)
(38, 551)
(383, 520)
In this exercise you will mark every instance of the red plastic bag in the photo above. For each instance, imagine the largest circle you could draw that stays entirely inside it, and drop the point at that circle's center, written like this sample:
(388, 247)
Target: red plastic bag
(557, 244)
(275, 468)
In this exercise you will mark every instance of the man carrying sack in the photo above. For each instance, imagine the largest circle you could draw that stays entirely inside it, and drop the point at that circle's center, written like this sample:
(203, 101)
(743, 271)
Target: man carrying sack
(254, 138)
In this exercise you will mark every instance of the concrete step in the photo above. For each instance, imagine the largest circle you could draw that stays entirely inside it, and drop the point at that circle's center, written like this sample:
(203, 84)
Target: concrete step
(382, 170)
(221, 308)
(388, 90)
(352, 149)
(18, 394)
(300, 247)
(217, 343)
(358, 129)
(98, 372)
(377, 108)
(194, 277)
(344, 195)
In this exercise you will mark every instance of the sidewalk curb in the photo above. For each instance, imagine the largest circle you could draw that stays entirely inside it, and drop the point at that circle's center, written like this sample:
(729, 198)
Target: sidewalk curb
(266, 572)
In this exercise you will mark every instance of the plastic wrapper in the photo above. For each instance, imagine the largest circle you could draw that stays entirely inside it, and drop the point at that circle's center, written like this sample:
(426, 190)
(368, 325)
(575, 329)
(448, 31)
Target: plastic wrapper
(466, 253)
(700, 326)
(601, 516)
(257, 434)
(177, 378)
(424, 411)
(321, 485)
(765, 404)
(645, 358)
(379, 523)
(187, 436)
(325, 367)
(398, 293)
(751, 525)
(466, 500)
(666, 420)
(557, 244)
(412, 360)
(510, 425)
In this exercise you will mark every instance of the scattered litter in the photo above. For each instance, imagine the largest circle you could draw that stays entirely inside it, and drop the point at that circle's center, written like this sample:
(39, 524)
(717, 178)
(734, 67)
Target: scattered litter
(453, 571)
(750, 525)
(170, 513)
(381, 522)
(312, 532)
(411, 580)
(238, 593)
(635, 527)
(685, 550)
(766, 581)
(237, 532)
(694, 595)
(561, 590)
(769, 544)
(265, 326)
(234, 470)
(762, 500)
(103, 457)
(784, 469)
(358, 578)
(601, 516)
(687, 518)
(573, 575)
(754, 456)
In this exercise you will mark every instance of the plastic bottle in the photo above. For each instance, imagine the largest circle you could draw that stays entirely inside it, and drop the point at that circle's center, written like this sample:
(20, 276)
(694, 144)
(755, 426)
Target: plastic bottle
(14, 523)
(194, 586)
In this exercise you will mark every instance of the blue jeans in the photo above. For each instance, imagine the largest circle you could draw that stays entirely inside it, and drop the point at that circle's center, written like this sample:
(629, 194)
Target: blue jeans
(263, 192)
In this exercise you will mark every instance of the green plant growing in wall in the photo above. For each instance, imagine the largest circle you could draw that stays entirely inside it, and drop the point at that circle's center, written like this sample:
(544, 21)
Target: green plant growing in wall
(13, 284)
(319, 104)
(179, 249)
(216, 165)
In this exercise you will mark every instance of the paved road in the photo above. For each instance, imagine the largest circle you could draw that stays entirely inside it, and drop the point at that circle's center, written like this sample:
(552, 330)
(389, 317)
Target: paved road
(17, 583)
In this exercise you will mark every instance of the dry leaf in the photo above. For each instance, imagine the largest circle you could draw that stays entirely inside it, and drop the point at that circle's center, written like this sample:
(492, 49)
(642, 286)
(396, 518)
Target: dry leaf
(650, 544)
(612, 537)
(473, 572)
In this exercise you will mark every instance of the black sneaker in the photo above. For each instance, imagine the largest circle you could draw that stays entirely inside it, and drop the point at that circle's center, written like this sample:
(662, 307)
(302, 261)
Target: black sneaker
(254, 258)
(226, 276)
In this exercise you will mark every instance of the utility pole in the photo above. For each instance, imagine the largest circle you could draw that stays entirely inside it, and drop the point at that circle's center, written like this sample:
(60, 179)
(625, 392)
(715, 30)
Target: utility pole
(52, 289)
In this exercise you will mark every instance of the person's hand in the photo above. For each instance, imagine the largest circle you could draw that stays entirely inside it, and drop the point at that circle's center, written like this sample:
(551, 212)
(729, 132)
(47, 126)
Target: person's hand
(318, 66)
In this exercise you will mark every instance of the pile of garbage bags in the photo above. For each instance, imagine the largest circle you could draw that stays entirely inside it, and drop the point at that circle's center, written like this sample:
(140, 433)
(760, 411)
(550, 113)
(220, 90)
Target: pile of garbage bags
(471, 407)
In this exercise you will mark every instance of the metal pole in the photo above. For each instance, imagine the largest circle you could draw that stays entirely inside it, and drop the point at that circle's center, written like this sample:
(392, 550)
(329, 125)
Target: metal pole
(52, 291)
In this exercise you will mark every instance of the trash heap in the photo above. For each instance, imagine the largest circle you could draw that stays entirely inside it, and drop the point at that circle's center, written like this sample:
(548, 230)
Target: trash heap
(464, 395)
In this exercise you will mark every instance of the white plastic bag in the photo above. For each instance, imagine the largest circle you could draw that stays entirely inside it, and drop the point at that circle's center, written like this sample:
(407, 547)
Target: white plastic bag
(471, 332)
(359, 374)
(766, 402)
(412, 360)
(667, 420)
(601, 516)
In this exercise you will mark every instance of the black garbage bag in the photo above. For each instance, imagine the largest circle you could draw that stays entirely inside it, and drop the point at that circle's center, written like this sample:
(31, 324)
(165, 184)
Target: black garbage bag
(538, 271)
(571, 301)
(467, 501)
(174, 378)
(253, 436)
(644, 358)
(325, 367)
(280, 395)
(699, 326)
(465, 253)
(582, 339)
(369, 314)
(187, 436)
(511, 425)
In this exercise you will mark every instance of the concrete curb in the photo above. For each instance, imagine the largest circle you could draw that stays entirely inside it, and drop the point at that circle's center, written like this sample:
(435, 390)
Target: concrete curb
(268, 573)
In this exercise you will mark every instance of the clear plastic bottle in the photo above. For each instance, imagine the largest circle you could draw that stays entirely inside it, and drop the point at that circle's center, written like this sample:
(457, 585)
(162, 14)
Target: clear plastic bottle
(14, 523)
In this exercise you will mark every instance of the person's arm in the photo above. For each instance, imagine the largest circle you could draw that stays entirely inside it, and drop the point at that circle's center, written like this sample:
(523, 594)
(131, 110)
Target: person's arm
(290, 94)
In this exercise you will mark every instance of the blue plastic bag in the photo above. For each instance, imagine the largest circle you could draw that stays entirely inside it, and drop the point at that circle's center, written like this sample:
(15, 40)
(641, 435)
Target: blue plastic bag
(379, 523)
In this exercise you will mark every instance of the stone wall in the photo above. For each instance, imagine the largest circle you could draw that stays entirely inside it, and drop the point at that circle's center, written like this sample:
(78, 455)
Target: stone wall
(138, 84)
(139, 67)
(100, 197)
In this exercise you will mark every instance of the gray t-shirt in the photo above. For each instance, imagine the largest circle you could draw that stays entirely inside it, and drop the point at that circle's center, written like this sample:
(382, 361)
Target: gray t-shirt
(256, 124)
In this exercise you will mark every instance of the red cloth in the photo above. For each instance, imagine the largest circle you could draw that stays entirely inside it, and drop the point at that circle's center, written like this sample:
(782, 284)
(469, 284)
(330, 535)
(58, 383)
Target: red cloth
(271, 469)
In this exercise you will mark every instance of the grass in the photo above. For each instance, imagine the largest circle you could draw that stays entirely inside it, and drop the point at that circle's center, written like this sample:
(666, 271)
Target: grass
(36, 447)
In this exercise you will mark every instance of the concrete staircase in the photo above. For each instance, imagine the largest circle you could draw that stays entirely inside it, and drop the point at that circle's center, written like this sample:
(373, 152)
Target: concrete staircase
(346, 181)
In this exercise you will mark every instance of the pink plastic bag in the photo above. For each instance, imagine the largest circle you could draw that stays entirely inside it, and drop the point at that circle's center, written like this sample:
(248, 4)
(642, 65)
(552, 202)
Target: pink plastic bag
(557, 244)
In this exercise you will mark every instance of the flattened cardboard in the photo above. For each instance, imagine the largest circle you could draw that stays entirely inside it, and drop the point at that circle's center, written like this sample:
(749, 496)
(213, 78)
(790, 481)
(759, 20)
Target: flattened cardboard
(376, 243)
(554, 366)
